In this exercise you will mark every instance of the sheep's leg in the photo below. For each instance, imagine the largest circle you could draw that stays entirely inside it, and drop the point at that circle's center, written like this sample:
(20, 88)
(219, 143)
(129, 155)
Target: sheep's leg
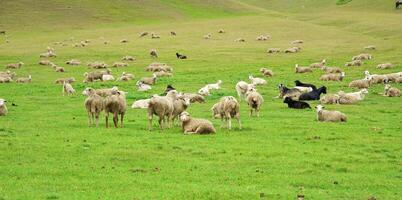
(107, 118)
(115, 119)
(222, 121)
(230, 123)
(258, 113)
(97, 119)
(251, 112)
(122, 119)
(89, 119)
(160, 121)
(238, 120)
(150, 121)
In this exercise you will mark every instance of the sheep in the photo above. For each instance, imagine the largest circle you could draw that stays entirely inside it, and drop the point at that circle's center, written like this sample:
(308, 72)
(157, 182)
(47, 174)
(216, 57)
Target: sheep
(180, 105)
(14, 65)
(3, 107)
(318, 64)
(7, 73)
(24, 79)
(46, 62)
(47, 55)
(142, 34)
(313, 95)
(128, 58)
(353, 97)
(394, 76)
(356, 63)
(94, 105)
(297, 42)
(163, 73)
(303, 89)
(299, 69)
(141, 86)
(257, 81)
(370, 47)
(333, 77)
(221, 31)
(254, 101)
(5, 79)
(195, 126)
(194, 97)
(216, 110)
(240, 40)
(385, 66)
(141, 104)
(179, 56)
(204, 91)
(168, 88)
(126, 77)
(156, 67)
(262, 37)
(363, 56)
(229, 108)
(376, 78)
(163, 107)
(287, 92)
(97, 65)
(300, 84)
(153, 53)
(329, 116)
(330, 99)
(273, 50)
(242, 87)
(124, 40)
(120, 64)
(398, 80)
(391, 91)
(208, 36)
(107, 77)
(96, 75)
(214, 86)
(73, 62)
(68, 88)
(155, 36)
(296, 104)
(266, 72)
(58, 69)
(105, 92)
(330, 70)
(173, 33)
(62, 80)
(116, 104)
(2, 32)
(362, 83)
(149, 80)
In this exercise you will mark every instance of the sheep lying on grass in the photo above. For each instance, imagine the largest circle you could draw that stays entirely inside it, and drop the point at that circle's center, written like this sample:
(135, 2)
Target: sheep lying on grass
(299, 69)
(296, 104)
(58, 69)
(97, 65)
(149, 80)
(142, 87)
(173, 33)
(221, 31)
(330, 99)
(116, 104)
(8, 73)
(163, 108)
(242, 87)
(292, 50)
(141, 104)
(363, 56)
(226, 109)
(391, 91)
(46, 63)
(157, 67)
(266, 72)
(354, 63)
(155, 36)
(329, 116)
(333, 77)
(73, 62)
(14, 65)
(273, 50)
(163, 73)
(3, 107)
(153, 53)
(120, 64)
(394, 76)
(297, 42)
(254, 101)
(126, 77)
(62, 80)
(376, 78)
(353, 97)
(24, 79)
(68, 88)
(319, 64)
(204, 91)
(93, 105)
(195, 126)
(330, 70)
(96, 75)
(194, 97)
(362, 83)
(370, 47)
(257, 81)
(262, 37)
(128, 58)
(214, 86)
(385, 66)
(107, 77)
(5, 79)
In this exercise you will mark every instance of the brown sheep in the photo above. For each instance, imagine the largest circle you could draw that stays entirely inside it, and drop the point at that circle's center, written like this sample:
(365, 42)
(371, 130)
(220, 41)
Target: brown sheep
(333, 77)
(93, 105)
(391, 91)
(116, 104)
(299, 69)
(195, 126)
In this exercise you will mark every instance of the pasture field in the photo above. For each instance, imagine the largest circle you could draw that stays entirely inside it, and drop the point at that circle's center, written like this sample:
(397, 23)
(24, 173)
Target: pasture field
(47, 150)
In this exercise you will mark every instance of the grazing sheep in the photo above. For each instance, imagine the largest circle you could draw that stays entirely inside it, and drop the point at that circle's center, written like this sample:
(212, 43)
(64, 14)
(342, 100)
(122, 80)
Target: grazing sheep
(257, 81)
(330, 70)
(142, 34)
(204, 91)
(319, 64)
(391, 91)
(330, 99)
(73, 62)
(376, 78)
(163, 73)
(254, 101)
(299, 69)
(297, 42)
(96, 75)
(296, 104)
(46, 63)
(14, 65)
(155, 36)
(149, 80)
(362, 83)
(93, 105)
(355, 63)
(240, 40)
(141, 104)
(266, 72)
(313, 95)
(120, 64)
(124, 41)
(273, 50)
(163, 107)
(385, 66)
(173, 33)
(214, 86)
(194, 97)
(68, 88)
(24, 79)
(62, 80)
(156, 67)
(208, 36)
(179, 56)
(116, 104)
(5, 79)
(128, 58)
(97, 65)
(229, 108)
(153, 53)
(107, 77)
(58, 69)
(3, 107)
(195, 126)
(142, 87)
(363, 56)
(300, 84)
(329, 116)
(180, 105)
(370, 47)
(333, 77)
(242, 87)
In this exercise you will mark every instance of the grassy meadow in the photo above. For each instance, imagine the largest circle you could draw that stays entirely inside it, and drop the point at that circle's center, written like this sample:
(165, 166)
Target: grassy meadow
(49, 152)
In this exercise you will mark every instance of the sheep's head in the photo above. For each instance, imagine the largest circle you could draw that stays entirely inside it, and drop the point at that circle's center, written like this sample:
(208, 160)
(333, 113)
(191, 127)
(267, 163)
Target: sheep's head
(387, 87)
(184, 116)
(186, 101)
(2, 102)
(366, 73)
(219, 82)
(319, 108)
(88, 91)
(342, 74)
(324, 61)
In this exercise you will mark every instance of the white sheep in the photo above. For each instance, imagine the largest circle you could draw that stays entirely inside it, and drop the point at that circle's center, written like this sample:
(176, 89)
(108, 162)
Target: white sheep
(3, 107)
(242, 87)
(254, 101)
(376, 78)
(93, 105)
(257, 81)
(362, 83)
(195, 126)
(68, 88)
(163, 107)
(329, 116)
(318, 64)
(141, 86)
(141, 104)
(204, 91)
(107, 77)
(299, 69)
(385, 66)
(215, 86)
(229, 108)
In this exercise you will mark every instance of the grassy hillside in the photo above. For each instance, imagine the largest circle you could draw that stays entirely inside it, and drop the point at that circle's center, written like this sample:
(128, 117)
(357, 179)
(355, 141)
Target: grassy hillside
(49, 152)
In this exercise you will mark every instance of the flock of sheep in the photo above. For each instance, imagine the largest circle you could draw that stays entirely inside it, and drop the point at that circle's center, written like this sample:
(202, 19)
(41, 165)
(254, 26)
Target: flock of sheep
(172, 105)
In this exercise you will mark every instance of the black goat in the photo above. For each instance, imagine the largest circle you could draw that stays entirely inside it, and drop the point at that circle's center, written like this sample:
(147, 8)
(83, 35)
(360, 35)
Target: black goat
(284, 91)
(313, 95)
(300, 84)
(179, 56)
(296, 104)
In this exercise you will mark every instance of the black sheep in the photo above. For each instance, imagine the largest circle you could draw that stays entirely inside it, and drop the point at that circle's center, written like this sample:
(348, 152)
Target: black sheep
(313, 95)
(300, 84)
(296, 104)
(179, 56)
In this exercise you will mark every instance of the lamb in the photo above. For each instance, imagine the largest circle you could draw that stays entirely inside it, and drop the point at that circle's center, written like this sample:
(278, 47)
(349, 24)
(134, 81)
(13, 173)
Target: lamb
(25, 80)
(375, 78)
(93, 105)
(149, 80)
(292, 50)
(153, 53)
(179, 56)
(354, 63)
(204, 91)
(58, 69)
(330, 70)
(173, 33)
(116, 104)
(128, 58)
(163, 73)
(240, 40)
(333, 77)
(62, 80)
(266, 72)
(385, 66)
(120, 64)
(273, 50)
(257, 81)
(297, 42)
(229, 108)
(254, 101)
(329, 116)
(96, 75)
(194, 97)
(362, 83)
(296, 104)
(163, 107)
(124, 41)
(370, 47)
(141, 104)
(14, 65)
(68, 88)
(3, 107)
(330, 99)
(97, 65)
(195, 126)
(155, 36)
(313, 95)
(319, 64)
(208, 36)
(363, 56)
(141, 86)
(391, 91)
(46, 62)
(242, 87)
(300, 84)
(73, 62)
(142, 34)
(214, 86)
(107, 77)
(5, 79)
(180, 105)
(302, 69)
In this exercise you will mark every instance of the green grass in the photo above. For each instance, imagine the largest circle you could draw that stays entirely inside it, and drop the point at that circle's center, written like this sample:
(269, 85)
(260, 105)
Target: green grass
(343, 2)
(49, 152)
